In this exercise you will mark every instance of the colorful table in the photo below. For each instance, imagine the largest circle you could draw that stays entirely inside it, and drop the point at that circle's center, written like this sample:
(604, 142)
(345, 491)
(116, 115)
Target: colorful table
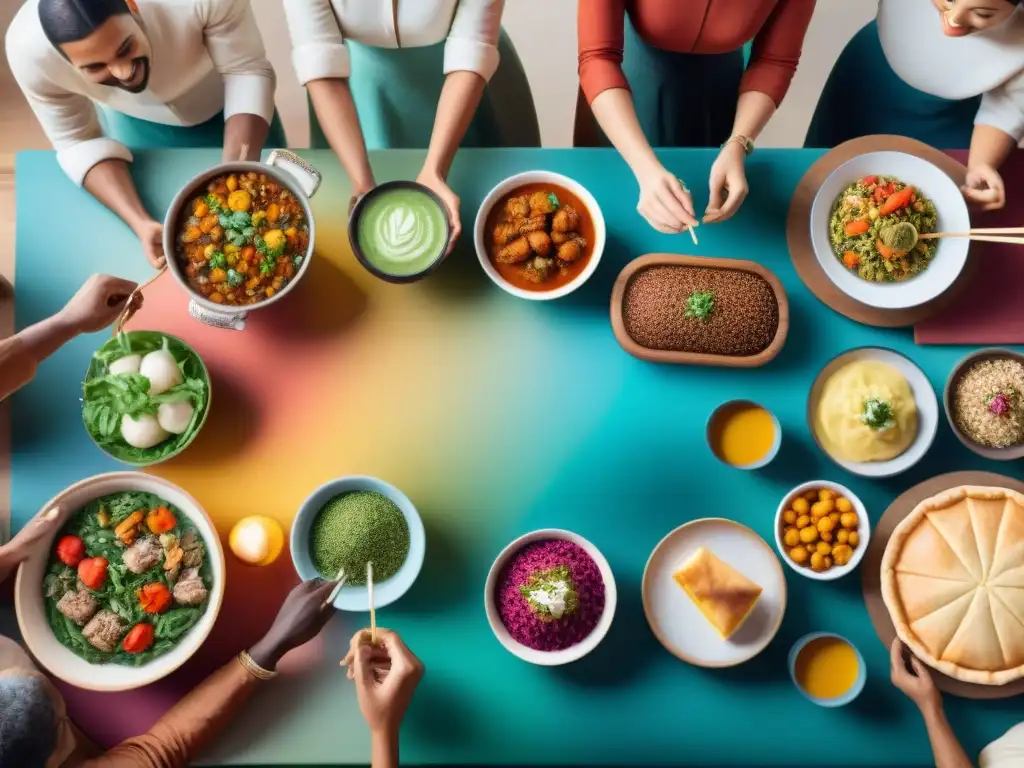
(496, 416)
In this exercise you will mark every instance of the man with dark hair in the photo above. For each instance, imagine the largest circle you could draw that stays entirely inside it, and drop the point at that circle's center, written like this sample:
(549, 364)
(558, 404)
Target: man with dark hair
(104, 76)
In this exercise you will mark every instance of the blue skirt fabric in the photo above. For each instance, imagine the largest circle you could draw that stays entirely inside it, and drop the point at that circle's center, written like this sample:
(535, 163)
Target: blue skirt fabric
(864, 96)
(145, 134)
(681, 99)
(396, 91)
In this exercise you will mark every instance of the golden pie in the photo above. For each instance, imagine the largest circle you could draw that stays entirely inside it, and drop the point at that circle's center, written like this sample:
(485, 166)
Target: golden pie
(724, 595)
(953, 581)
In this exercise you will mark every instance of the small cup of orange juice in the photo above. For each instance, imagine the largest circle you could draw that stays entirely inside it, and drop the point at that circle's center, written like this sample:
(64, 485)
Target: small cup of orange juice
(743, 434)
(827, 669)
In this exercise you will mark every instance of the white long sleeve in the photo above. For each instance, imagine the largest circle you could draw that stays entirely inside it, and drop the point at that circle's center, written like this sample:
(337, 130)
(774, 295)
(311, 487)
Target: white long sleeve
(68, 119)
(472, 43)
(1003, 108)
(236, 48)
(318, 46)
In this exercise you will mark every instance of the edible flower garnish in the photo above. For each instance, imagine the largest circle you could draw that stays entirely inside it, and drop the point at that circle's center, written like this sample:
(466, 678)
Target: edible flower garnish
(700, 305)
(877, 414)
(1001, 403)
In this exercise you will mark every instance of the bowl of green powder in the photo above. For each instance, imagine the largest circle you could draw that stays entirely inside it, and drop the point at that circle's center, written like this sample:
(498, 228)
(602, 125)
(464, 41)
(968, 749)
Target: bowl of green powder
(354, 520)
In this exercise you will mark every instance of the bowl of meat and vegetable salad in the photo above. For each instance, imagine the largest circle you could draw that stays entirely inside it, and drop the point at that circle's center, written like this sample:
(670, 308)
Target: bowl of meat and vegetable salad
(240, 236)
(128, 589)
(145, 397)
(867, 220)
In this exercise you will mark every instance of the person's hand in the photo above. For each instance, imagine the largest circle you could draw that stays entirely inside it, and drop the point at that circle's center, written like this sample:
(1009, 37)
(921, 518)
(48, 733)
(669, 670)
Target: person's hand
(439, 187)
(301, 617)
(97, 303)
(728, 183)
(151, 236)
(919, 685)
(984, 187)
(357, 192)
(386, 676)
(665, 201)
(31, 536)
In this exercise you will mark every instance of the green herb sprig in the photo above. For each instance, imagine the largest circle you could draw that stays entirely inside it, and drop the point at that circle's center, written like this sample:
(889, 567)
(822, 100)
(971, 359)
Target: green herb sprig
(700, 305)
(877, 414)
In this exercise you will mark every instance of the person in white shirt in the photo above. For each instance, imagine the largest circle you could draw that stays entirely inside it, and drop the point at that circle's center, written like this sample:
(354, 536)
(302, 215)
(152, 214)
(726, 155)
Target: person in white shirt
(915, 680)
(949, 73)
(106, 76)
(432, 74)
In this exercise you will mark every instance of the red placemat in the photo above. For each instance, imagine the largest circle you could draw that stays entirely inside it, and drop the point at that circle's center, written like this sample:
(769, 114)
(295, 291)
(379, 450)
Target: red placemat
(989, 309)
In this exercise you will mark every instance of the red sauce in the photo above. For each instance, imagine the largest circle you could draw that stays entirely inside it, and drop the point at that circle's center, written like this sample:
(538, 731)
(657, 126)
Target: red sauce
(564, 273)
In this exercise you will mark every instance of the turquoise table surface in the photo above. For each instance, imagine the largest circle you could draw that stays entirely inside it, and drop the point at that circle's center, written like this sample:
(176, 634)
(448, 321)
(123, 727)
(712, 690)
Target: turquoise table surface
(621, 459)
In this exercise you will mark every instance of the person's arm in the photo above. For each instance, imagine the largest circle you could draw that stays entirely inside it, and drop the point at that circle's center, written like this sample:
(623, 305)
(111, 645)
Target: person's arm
(917, 684)
(323, 66)
(998, 129)
(776, 51)
(177, 737)
(236, 48)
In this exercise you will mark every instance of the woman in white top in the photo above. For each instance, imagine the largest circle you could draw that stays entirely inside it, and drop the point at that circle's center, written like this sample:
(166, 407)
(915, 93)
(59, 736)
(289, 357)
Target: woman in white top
(914, 679)
(104, 76)
(949, 73)
(425, 74)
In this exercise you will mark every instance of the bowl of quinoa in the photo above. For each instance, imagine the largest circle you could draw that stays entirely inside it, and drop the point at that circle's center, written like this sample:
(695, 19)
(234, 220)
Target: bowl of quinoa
(984, 401)
(550, 597)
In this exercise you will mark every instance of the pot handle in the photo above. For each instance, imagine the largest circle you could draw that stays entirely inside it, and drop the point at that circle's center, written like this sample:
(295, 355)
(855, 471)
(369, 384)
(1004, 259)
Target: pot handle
(306, 175)
(227, 320)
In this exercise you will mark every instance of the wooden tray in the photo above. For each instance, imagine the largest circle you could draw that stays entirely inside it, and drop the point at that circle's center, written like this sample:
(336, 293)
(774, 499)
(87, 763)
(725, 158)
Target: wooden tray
(801, 251)
(871, 572)
(694, 358)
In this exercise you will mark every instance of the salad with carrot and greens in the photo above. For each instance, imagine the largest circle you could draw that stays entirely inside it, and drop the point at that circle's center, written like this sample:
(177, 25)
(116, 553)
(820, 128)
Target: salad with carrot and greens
(864, 234)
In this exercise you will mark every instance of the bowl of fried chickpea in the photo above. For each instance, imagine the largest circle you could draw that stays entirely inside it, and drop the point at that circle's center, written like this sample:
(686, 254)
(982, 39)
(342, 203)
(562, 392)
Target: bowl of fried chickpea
(822, 530)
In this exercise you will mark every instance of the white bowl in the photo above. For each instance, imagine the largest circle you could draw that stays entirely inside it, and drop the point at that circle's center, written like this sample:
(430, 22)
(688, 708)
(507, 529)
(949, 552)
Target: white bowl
(575, 652)
(924, 396)
(950, 257)
(863, 529)
(538, 177)
(29, 602)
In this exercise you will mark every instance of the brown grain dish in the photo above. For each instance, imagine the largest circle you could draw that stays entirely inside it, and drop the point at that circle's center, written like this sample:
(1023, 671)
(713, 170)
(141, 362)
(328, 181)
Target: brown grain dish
(659, 302)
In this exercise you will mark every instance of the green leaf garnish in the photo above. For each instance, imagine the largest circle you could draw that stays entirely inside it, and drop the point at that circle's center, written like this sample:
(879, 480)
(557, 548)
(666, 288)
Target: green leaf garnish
(700, 305)
(218, 260)
(553, 198)
(235, 278)
(877, 414)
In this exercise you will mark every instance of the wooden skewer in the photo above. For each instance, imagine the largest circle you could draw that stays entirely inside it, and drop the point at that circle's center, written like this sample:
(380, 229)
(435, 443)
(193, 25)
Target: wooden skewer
(340, 582)
(693, 234)
(373, 611)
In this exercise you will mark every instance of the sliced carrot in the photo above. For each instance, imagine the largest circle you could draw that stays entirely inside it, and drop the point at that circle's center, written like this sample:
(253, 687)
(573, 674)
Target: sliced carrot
(851, 259)
(887, 252)
(857, 227)
(867, 181)
(896, 200)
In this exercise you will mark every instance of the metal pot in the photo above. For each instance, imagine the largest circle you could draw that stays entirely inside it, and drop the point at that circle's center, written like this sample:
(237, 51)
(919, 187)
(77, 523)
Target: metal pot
(286, 168)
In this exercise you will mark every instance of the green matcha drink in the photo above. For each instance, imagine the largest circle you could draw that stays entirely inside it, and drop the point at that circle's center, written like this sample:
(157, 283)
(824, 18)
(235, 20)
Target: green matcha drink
(401, 231)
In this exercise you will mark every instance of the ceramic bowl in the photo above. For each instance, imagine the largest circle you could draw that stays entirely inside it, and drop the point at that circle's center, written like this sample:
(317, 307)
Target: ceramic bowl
(122, 454)
(839, 701)
(353, 225)
(720, 412)
(950, 257)
(356, 598)
(863, 529)
(1009, 453)
(31, 609)
(924, 397)
(550, 658)
(480, 239)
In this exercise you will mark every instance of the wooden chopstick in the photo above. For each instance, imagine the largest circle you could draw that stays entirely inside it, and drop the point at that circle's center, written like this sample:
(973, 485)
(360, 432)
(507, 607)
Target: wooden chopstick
(972, 232)
(340, 582)
(693, 234)
(1006, 240)
(373, 610)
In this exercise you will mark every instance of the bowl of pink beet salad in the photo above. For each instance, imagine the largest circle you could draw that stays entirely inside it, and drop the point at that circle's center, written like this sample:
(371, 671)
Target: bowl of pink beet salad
(550, 597)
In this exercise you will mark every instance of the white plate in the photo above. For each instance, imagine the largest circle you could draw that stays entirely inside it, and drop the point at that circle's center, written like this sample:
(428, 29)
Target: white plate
(950, 256)
(28, 592)
(674, 617)
(924, 396)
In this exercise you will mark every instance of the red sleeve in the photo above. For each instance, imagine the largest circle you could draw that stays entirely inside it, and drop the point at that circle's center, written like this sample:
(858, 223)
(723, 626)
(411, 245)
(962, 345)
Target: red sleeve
(777, 48)
(599, 26)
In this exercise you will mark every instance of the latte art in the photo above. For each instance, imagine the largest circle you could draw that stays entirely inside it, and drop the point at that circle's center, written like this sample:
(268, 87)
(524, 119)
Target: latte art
(402, 231)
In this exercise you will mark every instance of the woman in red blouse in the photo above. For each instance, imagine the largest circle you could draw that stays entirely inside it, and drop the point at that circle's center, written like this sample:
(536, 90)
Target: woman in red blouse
(667, 73)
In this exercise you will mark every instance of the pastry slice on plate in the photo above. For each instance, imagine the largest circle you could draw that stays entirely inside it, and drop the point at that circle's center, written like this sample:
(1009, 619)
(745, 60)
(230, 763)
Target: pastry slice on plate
(724, 595)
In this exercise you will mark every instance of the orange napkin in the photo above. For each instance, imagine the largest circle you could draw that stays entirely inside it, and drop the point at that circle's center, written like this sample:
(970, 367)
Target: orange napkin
(989, 311)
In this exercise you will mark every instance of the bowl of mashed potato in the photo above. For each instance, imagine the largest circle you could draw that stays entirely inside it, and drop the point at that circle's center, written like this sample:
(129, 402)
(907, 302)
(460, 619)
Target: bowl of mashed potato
(873, 412)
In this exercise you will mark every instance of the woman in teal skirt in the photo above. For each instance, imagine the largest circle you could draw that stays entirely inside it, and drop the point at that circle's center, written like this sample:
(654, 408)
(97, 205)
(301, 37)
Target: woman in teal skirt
(955, 81)
(436, 74)
(659, 73)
